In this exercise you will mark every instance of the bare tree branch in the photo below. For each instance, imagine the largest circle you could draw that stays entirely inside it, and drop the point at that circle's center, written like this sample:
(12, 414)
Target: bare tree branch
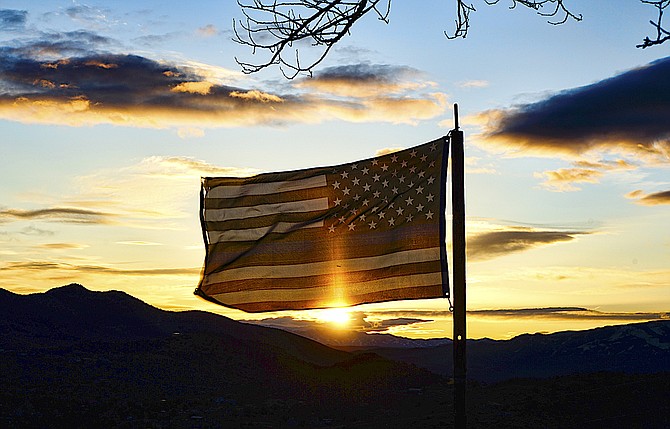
(662, 35)
(281, 27)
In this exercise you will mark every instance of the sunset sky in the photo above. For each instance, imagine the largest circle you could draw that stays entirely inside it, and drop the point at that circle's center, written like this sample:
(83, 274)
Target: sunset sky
(111, 112)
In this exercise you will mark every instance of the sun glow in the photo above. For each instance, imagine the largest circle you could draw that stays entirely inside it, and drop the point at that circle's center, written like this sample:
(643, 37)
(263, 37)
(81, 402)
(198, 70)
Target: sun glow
(337, 317)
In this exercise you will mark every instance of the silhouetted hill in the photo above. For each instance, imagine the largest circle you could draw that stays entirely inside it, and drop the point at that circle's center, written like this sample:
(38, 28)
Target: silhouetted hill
(641, 348)
(69, 354)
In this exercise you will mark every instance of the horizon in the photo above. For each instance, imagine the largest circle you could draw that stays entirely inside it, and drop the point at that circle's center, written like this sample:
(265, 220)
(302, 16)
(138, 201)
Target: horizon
(110, 114)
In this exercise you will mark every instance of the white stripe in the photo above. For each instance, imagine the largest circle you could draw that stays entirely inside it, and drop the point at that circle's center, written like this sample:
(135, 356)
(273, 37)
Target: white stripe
(335, 267)
(329, 293)
(253, 234)
(266, 209)
(234, 191)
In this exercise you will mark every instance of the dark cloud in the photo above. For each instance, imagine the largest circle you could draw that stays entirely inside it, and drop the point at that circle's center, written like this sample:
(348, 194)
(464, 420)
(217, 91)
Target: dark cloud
(57, 214)
(571, 313)
(362, 80)
(53, 46)
(96, 269)
(93, 88)
(11, 19)
(653, 199)
(498, 243)
(628, 112)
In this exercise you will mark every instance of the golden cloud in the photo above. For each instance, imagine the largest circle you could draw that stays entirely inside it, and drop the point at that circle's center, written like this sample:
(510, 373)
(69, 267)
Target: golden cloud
(653, 199)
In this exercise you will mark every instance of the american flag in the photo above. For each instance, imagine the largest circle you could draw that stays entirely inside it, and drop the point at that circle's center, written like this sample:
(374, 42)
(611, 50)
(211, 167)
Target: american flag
(367, 231)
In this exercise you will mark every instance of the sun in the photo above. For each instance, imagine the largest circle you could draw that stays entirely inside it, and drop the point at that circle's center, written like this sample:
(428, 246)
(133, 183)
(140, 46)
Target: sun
(338, 317)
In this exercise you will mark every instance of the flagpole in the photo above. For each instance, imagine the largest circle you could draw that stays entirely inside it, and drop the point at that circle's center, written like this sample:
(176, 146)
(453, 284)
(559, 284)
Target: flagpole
(458, 237)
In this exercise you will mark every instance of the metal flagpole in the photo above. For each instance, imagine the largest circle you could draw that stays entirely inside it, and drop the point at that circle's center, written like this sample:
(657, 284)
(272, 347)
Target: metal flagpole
(458, 251)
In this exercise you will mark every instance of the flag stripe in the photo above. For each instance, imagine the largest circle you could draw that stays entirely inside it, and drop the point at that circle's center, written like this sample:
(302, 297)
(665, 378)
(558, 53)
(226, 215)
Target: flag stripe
(320, 248)
(331, 267)
(282, 197)
(328, 293)
(236, 191)
(415, 292)
(255, 234)
(266, 209)
(333, 280)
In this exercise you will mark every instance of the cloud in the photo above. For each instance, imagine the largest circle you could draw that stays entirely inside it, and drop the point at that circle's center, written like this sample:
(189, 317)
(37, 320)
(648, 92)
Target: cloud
(566, 313)
(57, 214)
(97, 269)
(626, 114)
(11, 19)
(653, 199)
(208, 30)
(62, 246)
(563, 180)
(364, 80)
(60, 81)
(491, 244)
(474, 84)
(139, 243)
(34, 231)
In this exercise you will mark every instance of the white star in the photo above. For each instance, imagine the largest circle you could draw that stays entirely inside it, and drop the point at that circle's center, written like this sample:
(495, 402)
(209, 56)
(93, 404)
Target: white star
(419, 207)
(419, 190)
(430, 198)
(431, 179)
(365, 170)
(409, 201)
(429, 215)
(356, 181)
(352, 227)
(385, 183)
(410, 184)
(336, 185)
(412, 170)
(392, 222)
(409, 218)
(343, 219)
(403, 164)
(394, 158)
(357, 197)
(354, 166)
(424, 158)
(385, 167)
(366, 187)
(412, 153)
(376, 194)
(421, 174)
(432, 164)
(400, 210)
(381, 215)
(374, 209)
(366, 202)
(375, 162)
(395, 190)
(373, 225)
(395, 173)
(337, 201)
(433, 147)
(331, 228)
(345, 191)
(344, 174)
(362, 217)
(376, 177)
(401, 179)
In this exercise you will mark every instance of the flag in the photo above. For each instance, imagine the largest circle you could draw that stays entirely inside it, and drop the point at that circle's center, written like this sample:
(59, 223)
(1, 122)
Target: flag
(367, 231)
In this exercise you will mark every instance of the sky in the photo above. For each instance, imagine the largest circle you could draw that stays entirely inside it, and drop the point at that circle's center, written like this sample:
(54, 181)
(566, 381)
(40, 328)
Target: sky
(111, 112)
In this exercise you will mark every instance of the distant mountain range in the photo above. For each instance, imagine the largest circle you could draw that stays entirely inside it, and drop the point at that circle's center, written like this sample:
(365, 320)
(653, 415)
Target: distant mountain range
(71, 357)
